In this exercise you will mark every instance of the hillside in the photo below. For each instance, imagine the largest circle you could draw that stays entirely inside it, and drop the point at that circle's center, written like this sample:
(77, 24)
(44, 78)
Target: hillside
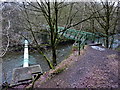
(92, 69)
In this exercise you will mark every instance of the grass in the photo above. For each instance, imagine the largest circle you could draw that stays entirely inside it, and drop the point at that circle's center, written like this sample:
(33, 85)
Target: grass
(58, 71)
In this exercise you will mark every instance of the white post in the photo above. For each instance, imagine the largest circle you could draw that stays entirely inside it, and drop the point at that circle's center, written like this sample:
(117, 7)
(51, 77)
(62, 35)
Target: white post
(26, 56)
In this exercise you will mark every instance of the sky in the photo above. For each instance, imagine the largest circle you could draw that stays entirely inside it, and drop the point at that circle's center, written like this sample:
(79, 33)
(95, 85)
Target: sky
(62, 0)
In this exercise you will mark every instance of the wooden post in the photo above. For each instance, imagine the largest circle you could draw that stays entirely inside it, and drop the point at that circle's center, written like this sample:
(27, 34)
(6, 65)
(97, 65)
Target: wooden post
(79, 47)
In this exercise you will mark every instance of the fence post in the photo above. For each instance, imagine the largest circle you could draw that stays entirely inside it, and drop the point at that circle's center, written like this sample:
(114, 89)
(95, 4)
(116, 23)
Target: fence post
(79, 46)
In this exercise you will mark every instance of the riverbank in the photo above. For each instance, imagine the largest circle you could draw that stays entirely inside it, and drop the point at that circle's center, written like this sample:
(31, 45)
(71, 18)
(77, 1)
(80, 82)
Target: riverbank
(92, 69)
(64, 65)
(15, 60)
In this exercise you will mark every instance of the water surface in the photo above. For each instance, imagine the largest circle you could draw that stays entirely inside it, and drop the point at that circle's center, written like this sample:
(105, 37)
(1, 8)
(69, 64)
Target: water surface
(14, 60)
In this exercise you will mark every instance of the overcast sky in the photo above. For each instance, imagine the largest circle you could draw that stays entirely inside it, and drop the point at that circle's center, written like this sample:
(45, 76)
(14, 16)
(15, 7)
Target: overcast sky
(60, 0)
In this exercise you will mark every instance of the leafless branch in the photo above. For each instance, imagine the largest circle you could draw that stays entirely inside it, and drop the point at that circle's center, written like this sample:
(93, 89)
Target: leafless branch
(8, 41)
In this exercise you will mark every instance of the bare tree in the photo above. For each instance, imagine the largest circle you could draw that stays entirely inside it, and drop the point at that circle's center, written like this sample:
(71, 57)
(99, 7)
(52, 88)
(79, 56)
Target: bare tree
(54, 13)
(108, 13)
(4, 48)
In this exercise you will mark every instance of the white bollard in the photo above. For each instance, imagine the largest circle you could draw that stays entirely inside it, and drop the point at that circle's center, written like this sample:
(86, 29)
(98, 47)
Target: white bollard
(26, 56)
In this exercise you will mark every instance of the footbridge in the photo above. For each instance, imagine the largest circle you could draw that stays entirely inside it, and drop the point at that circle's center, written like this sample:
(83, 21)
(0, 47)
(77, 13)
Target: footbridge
(79, 36)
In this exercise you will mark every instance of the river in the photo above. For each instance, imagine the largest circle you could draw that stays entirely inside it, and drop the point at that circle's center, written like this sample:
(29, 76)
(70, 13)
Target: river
(14, 60)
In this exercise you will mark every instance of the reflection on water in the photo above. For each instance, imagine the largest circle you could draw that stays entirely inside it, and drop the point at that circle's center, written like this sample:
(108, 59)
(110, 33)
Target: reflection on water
(14, 60)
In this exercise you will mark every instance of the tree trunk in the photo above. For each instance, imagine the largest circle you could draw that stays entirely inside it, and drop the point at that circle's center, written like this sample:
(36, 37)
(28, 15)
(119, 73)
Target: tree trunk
(54, 56)
(107, 24)
(107, 42)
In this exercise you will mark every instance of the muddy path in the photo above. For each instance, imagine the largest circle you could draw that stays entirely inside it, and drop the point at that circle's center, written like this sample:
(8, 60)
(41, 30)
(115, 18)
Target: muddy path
(93, 69)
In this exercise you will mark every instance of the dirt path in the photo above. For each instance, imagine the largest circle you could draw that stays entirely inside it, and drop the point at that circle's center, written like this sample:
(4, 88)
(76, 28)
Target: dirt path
(93, 69)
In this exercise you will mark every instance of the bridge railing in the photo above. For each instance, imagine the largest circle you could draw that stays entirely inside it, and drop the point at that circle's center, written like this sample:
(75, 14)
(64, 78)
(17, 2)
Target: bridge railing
(81, 36)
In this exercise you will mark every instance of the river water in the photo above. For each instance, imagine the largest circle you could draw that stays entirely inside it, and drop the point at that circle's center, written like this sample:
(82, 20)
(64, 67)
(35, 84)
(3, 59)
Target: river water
(14, 60)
